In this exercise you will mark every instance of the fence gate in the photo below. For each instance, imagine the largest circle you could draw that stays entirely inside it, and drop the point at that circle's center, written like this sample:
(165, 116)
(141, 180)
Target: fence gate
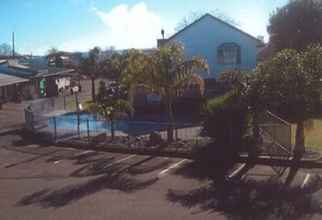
(276, 135)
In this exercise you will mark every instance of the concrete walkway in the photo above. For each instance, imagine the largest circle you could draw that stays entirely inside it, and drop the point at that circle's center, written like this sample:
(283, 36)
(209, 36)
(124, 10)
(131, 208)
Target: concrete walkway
(12, 116)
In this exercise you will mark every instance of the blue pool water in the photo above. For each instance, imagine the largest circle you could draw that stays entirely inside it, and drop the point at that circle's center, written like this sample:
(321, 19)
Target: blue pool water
(92, 123)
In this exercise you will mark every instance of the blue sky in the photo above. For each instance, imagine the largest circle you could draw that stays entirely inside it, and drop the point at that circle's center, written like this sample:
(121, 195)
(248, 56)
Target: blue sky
(77, 25)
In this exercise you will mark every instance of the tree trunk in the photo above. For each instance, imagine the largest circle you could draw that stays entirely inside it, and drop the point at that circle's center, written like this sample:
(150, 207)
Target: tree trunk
(171, 118)
(131, 98)
(299, 148)
(256, 133)
(93, 89)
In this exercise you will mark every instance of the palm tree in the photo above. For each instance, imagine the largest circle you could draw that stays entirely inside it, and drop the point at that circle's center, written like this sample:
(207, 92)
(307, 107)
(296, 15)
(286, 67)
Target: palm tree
(112, 67)
(171, 72)
(90, 67)
(165, 71)
(134, 72)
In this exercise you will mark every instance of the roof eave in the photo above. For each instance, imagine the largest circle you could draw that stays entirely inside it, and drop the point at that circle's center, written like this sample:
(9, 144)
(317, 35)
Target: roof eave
(217, 19)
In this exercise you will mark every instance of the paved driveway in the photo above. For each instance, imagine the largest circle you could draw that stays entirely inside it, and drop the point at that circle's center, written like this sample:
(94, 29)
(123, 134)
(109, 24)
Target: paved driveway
(48, 182)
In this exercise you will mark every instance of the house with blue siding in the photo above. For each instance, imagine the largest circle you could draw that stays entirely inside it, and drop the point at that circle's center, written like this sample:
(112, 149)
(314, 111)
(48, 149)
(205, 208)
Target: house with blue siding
(222, 45)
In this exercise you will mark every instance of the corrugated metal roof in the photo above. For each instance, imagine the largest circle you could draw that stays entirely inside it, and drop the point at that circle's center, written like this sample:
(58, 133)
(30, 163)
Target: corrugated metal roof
(18, 72)
(6, 80)
(3, 61)
(16, 64)
(53, 71)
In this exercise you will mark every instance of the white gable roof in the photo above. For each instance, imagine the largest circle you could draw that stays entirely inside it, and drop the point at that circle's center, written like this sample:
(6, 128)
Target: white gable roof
(207, 15)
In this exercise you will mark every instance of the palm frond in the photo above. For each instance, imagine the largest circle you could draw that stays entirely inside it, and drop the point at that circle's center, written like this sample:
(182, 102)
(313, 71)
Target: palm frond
(123, 106)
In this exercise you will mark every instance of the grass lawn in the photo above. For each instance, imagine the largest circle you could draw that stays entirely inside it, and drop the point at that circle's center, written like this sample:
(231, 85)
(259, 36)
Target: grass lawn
(313, 134)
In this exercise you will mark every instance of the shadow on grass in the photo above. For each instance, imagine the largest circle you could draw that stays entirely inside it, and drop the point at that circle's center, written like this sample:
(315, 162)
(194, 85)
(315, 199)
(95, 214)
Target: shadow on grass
(114, 180)
(250, 199)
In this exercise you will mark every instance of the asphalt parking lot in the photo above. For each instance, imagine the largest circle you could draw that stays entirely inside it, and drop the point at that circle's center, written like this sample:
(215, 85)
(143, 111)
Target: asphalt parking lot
(48, 182)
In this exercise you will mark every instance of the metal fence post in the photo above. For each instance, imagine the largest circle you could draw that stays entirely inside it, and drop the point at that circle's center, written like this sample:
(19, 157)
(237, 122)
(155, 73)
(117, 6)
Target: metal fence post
(32, 122)
(78, 116)
(87, 123)
(64, 102)
(55, 129)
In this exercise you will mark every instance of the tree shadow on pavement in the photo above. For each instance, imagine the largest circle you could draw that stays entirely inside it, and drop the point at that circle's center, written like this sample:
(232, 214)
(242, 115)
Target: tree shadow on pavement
(114, 179)
(147, 169)
(81, 158)
(27, 138)
(251, 199)
(94, 168)
(203, 171)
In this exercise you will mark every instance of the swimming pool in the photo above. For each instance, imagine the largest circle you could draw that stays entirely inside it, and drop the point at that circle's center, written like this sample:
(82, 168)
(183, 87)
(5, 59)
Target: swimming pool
(92, 123)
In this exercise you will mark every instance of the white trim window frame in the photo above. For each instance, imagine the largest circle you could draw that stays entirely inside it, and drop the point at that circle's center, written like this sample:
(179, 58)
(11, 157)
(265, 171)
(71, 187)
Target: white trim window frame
(228, 54)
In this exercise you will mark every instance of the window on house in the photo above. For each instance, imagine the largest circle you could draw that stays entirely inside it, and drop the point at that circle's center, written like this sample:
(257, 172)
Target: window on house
(229, 53)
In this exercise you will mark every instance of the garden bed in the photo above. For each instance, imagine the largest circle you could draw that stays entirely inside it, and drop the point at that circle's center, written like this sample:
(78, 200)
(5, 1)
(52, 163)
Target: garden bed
(132, 145)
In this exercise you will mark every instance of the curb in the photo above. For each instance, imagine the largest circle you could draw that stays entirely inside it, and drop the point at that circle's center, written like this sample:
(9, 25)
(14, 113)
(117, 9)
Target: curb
(10, 130)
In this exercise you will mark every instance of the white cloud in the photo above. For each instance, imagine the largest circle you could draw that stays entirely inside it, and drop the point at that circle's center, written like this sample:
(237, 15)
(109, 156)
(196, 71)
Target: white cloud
(86, 42)
(125, 27)
(128, 27)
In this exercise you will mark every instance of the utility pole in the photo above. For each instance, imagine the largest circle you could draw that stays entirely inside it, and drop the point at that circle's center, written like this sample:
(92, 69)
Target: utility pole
(13, 44)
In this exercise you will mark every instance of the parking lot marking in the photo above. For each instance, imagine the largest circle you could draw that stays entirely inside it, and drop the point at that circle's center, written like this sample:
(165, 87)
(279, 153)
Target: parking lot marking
(306, 179)
(237, 170)
(30, 159)
(173, 166)
(123, 159)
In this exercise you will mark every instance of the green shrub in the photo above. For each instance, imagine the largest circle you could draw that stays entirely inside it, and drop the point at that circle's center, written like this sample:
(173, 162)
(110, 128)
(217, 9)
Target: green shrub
(226, 119)
(226, 122)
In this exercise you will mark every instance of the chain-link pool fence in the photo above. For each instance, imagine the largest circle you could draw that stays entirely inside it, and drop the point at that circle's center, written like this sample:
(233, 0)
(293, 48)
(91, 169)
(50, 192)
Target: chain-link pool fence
(54, 121)
(276, 135)
(54, 104)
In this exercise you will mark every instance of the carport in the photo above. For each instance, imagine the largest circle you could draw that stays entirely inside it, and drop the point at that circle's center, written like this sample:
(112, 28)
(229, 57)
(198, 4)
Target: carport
(9, 87)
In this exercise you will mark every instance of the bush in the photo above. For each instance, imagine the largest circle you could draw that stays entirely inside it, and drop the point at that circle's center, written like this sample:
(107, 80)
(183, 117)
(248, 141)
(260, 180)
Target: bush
(226, 119)
(215, 160)
(230, 79)
(226, 122)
